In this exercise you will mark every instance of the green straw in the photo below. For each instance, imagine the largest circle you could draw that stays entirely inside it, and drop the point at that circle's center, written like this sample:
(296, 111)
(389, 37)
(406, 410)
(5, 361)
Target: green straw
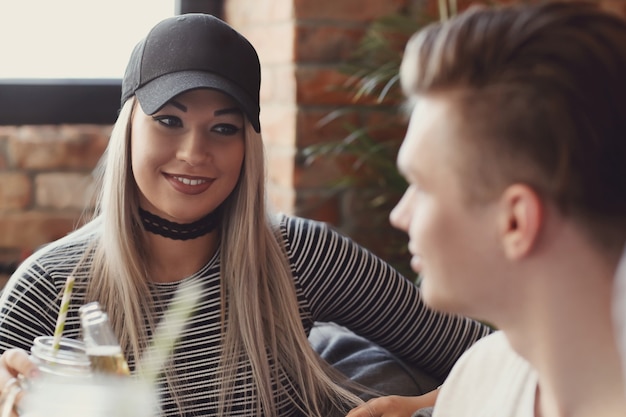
(65, 304)
(167, 332)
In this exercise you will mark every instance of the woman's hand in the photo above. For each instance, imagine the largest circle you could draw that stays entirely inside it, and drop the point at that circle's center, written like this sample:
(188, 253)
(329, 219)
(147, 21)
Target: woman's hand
(394, 406)
(14, 365)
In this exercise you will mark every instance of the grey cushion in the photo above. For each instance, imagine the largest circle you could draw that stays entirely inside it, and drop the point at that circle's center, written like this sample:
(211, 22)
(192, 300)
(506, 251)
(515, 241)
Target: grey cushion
(424, 412)
(367, 363)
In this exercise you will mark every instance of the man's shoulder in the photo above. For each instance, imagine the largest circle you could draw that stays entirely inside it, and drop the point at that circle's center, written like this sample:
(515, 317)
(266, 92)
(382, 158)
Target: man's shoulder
(490, 379)
(489, 357)
(493, 344)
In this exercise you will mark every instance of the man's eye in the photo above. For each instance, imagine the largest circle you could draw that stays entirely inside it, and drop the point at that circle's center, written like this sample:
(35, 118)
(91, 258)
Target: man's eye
(169, 121)
(226, 129)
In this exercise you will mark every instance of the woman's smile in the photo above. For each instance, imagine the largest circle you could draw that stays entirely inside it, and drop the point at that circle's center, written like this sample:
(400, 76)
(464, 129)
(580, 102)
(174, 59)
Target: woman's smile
(191, 185)
(189, 181)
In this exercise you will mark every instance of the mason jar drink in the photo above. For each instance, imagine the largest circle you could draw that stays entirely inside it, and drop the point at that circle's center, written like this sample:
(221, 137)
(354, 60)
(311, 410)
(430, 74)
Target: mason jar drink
(69, 360)
(68, 386)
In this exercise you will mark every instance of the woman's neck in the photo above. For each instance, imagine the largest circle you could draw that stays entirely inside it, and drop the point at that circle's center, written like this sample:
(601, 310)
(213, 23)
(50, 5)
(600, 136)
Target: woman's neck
(173, 260)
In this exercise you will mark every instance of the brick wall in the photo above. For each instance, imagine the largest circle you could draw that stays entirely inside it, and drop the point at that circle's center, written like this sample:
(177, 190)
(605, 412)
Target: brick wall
(45, 170)
(301, 45)
(45, 176)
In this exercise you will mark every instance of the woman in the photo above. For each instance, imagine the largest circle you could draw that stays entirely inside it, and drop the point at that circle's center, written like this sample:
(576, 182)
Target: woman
(182, 200)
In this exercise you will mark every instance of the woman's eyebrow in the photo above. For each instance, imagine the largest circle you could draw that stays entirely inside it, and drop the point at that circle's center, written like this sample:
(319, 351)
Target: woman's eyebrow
(228, 111)
(178, 105)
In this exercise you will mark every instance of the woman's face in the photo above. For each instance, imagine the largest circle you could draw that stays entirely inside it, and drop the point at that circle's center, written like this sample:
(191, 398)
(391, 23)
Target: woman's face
(187, 158)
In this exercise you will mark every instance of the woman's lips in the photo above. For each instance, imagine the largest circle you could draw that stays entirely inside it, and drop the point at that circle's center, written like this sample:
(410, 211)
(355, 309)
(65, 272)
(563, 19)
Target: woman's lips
(188, 184)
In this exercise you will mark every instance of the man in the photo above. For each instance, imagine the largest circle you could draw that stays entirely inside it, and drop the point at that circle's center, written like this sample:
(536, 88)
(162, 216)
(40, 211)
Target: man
(516, 208)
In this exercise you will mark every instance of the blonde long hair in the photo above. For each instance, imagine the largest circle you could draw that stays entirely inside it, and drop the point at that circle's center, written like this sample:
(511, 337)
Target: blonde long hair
(264, 323)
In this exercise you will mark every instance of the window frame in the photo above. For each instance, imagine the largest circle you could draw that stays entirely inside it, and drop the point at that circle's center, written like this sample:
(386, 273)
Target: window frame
(75, 101)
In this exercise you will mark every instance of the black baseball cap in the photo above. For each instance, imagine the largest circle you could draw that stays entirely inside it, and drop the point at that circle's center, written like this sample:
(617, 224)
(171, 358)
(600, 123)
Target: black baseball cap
(190, 51)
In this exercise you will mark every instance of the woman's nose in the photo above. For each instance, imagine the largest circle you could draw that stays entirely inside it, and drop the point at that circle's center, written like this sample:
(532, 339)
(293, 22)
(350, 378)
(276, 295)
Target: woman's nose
(194, 148)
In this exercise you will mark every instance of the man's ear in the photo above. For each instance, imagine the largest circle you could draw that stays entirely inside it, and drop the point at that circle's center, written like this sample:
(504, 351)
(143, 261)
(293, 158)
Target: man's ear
(520, 220)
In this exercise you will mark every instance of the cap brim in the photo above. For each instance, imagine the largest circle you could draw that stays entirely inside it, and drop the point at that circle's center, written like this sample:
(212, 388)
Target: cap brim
(159, 91)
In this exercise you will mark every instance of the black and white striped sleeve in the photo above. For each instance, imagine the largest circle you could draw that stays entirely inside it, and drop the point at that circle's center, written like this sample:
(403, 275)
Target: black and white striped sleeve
(346, 284)
(30, 301)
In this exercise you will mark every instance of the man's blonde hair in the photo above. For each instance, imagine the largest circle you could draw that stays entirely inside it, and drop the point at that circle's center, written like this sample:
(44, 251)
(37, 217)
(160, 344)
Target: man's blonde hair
(541, 93)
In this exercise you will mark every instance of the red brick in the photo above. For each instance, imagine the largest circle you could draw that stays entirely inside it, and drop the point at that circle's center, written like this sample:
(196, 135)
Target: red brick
(430, 8)
(15, 191)
(323, 125)
(367, 200)
(616, 6)
(325, 44)
(346, 10)
(322, 205)
(31, 229)
(63, 190)
(323, 86)
(58, 147)
(319, 173)
(386, 125)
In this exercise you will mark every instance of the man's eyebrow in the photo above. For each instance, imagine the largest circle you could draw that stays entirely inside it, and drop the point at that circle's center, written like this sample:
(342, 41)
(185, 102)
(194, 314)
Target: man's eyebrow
(228, 111)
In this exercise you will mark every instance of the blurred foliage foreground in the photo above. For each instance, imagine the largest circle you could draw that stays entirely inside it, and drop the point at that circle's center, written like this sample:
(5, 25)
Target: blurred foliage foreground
(372, 147)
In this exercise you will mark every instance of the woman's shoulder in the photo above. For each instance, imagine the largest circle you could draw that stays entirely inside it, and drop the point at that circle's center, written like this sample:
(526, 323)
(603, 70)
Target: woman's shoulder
(311, 241)
(297, 227)
(61, 255)
(47, 269)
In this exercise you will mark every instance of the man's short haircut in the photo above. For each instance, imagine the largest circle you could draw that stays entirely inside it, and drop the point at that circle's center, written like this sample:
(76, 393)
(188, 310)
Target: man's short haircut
(541, 91)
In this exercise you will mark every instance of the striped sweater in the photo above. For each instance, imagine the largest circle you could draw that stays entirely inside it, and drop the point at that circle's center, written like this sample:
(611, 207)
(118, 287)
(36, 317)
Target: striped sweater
(335, 279)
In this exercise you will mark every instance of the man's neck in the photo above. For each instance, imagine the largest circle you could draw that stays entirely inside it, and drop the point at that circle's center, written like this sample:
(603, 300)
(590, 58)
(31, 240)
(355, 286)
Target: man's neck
(564, 328)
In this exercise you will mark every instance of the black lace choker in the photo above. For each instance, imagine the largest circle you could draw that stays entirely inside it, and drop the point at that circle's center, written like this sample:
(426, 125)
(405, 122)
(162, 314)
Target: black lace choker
(177, 231)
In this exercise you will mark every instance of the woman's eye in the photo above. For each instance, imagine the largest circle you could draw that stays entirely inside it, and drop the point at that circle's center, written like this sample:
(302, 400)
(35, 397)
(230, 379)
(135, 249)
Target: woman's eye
(168, 121)
(226, 129)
